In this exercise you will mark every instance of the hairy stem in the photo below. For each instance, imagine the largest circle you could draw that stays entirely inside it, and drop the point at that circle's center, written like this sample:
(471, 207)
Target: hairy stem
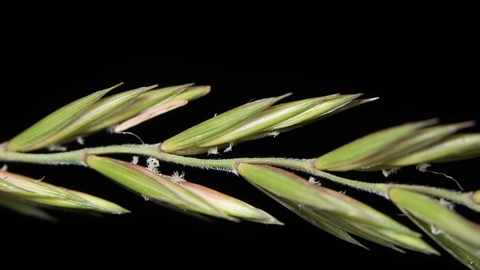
(153, 150)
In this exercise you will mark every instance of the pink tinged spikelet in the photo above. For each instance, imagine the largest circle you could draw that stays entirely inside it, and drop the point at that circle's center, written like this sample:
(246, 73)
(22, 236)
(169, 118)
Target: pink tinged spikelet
(230, 205)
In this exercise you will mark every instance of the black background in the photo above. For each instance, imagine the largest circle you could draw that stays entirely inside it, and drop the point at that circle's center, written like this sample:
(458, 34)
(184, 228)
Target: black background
(420, 69)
